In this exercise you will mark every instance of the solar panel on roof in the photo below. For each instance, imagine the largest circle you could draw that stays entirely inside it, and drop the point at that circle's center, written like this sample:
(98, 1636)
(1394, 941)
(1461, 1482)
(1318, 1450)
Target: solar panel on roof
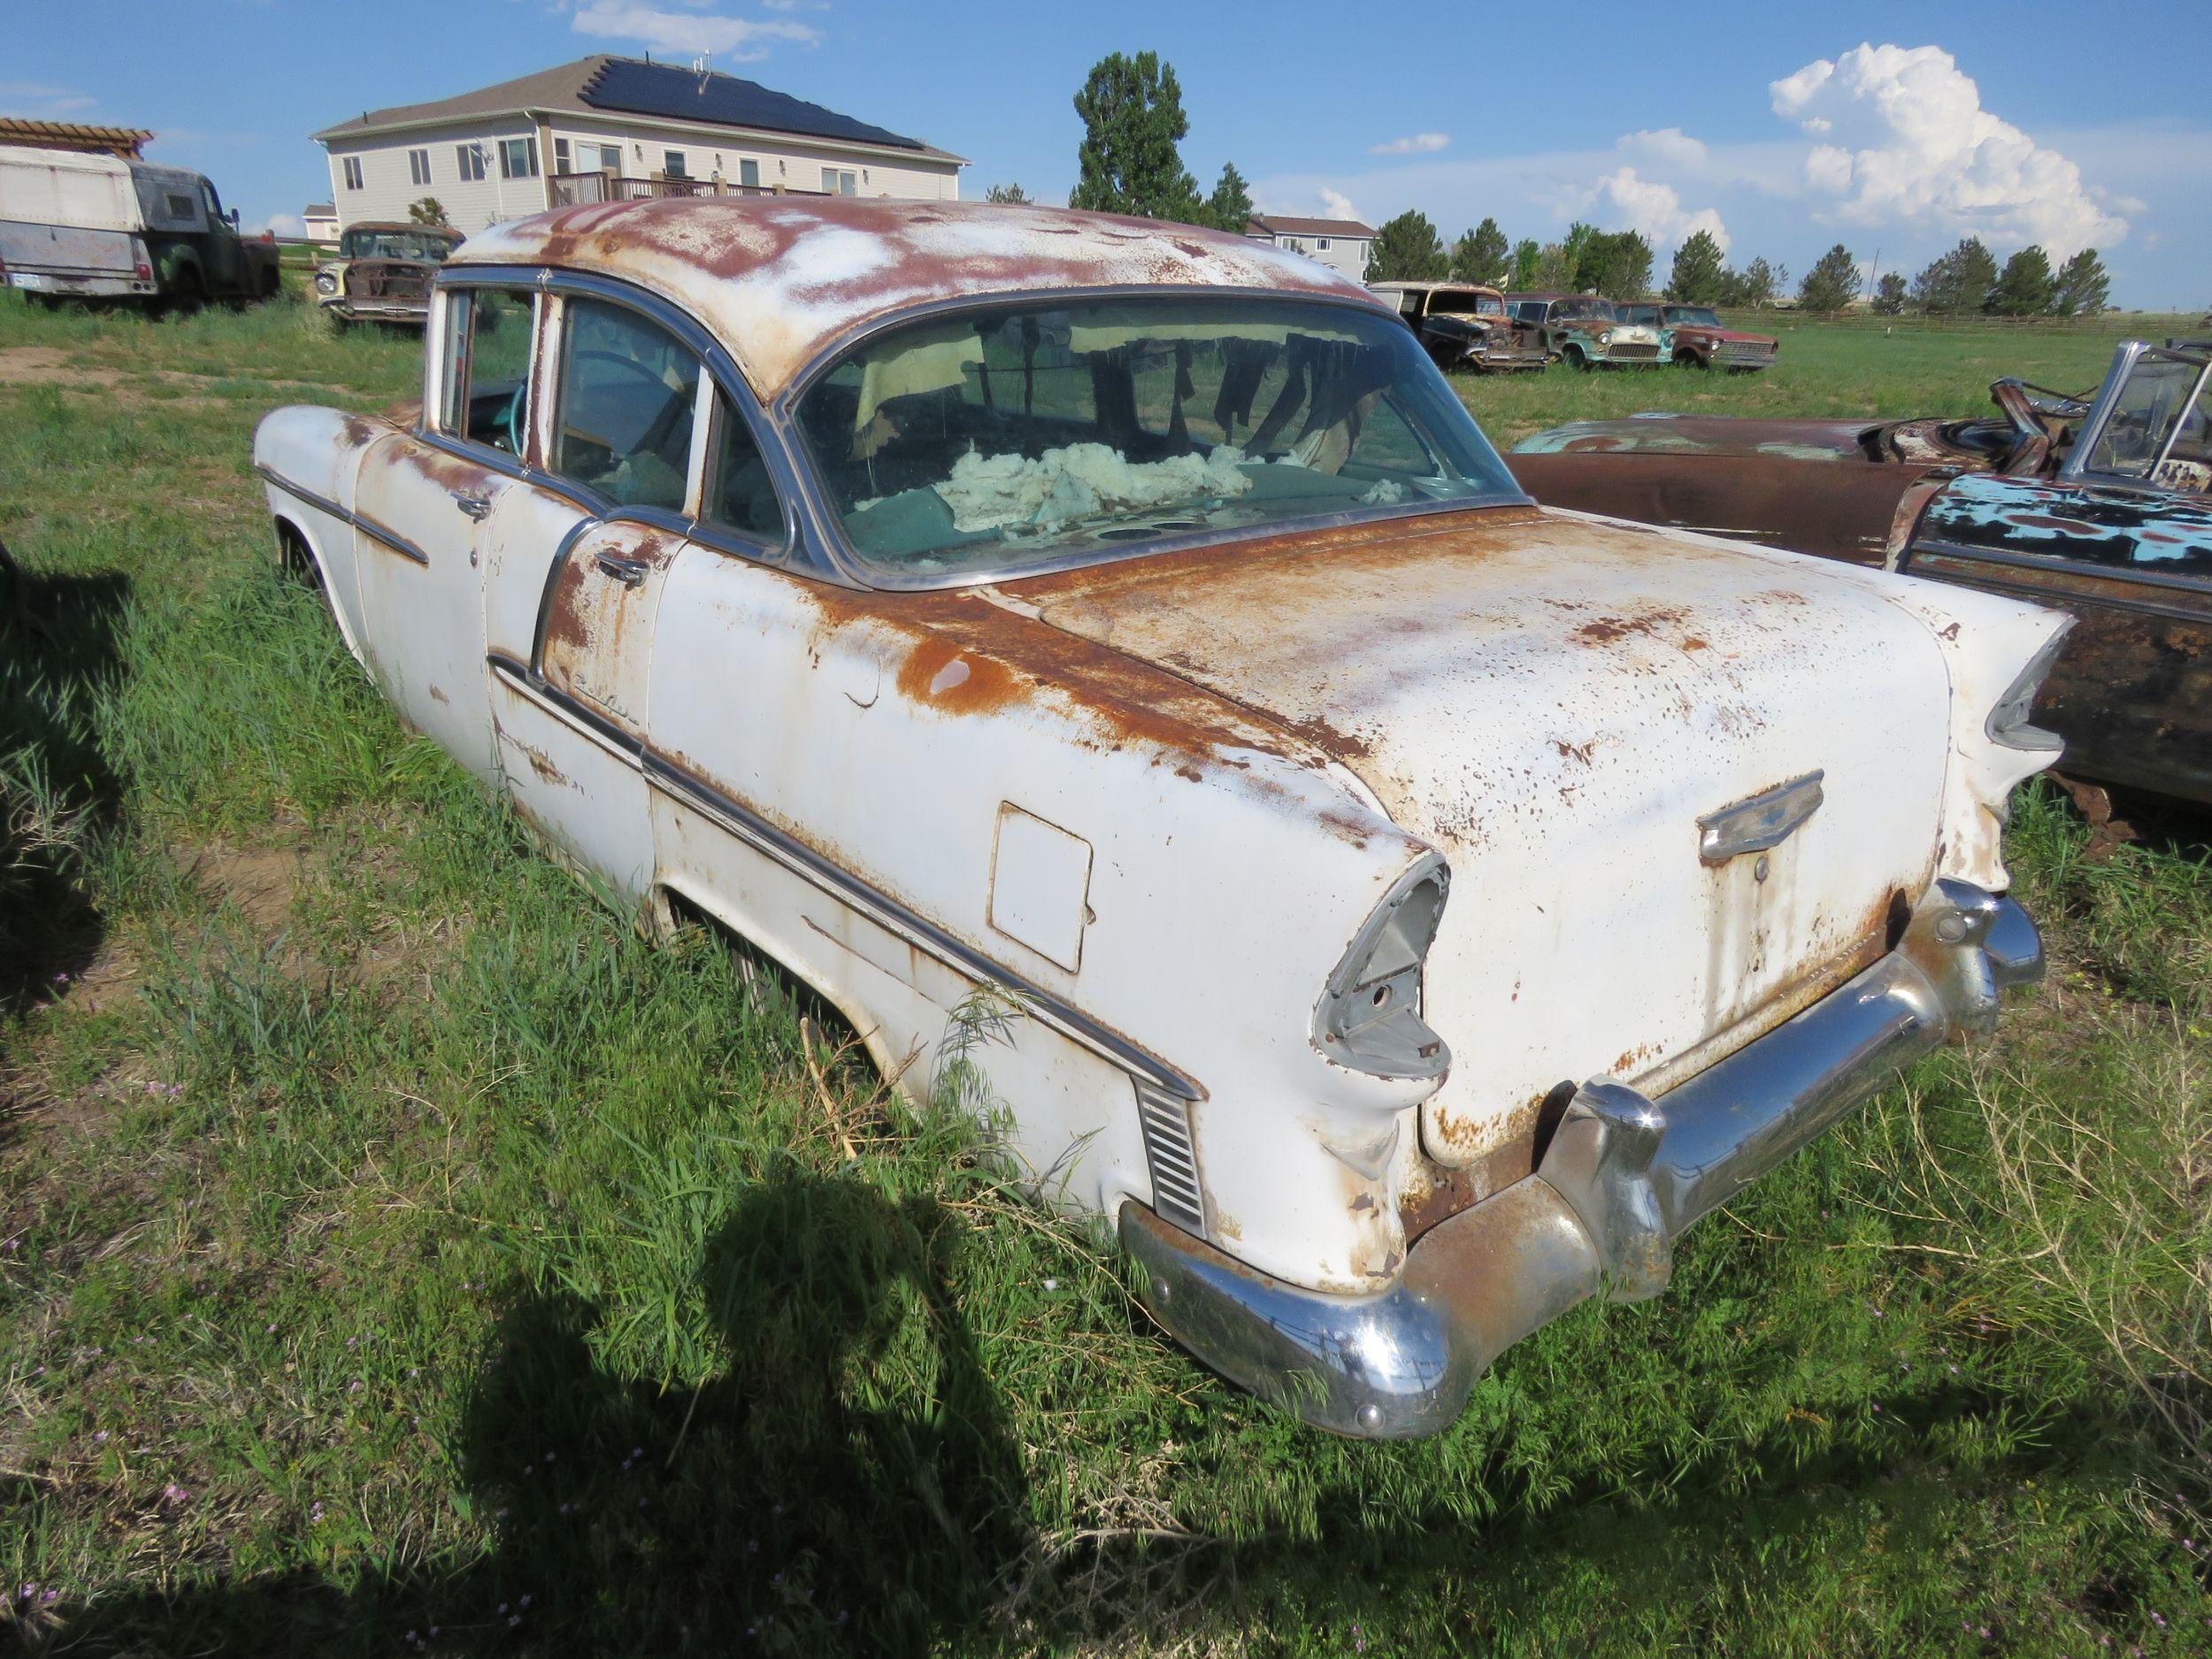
(685, 94)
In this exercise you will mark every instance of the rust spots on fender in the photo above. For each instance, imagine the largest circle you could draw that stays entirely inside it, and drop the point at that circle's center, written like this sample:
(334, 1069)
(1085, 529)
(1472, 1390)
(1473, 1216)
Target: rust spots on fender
(941, 674)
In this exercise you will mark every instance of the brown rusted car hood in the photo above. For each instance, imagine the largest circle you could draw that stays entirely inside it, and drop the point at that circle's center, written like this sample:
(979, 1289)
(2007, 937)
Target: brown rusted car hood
(1553, 702)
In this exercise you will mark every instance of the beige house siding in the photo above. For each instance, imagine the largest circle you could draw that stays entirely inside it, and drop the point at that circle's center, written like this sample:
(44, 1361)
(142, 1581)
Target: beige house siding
(387, 187)
(1347, 254)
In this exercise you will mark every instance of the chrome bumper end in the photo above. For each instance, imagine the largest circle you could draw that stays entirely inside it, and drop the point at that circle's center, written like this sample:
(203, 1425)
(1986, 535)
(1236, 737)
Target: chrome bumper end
(1623, 1178)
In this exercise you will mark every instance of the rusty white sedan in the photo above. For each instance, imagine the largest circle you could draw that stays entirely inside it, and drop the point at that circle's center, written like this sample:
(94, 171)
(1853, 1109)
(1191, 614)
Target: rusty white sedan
(1421, 907)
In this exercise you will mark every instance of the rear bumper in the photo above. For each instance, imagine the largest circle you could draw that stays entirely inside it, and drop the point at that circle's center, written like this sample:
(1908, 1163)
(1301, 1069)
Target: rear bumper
(1623, 1178)
(78, 286)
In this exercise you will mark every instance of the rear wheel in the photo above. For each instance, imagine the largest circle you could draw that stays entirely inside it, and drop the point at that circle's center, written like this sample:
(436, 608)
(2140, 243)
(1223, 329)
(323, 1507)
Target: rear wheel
(187, 293)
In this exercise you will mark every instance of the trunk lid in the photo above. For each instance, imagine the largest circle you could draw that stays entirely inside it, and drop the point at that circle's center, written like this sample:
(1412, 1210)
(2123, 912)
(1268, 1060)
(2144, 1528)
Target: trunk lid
(1554, 701)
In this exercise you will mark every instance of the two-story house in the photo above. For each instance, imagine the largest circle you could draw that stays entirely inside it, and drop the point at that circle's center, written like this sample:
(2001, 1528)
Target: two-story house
(1341, 244)
(606, 128)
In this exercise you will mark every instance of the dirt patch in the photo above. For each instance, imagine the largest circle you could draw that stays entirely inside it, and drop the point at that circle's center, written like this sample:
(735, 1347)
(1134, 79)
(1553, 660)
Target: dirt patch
(50, 366)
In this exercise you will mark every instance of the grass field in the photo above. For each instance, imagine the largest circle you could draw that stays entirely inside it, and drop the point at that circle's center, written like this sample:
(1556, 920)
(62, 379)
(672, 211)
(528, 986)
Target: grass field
(399, 1253)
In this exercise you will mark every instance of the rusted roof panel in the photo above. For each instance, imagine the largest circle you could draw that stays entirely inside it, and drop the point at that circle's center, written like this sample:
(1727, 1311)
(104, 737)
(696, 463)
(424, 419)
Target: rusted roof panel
(778, 278)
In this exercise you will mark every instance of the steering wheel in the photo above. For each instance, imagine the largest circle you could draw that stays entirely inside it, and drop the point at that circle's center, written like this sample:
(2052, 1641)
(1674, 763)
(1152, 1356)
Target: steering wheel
(512, 424)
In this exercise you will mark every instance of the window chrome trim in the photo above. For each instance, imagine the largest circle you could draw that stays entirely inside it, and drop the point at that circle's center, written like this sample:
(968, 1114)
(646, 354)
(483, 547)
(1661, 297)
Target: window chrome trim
(2128, 575)
(859, 572)
(2125, 355)
(681, 785)
(369, 527)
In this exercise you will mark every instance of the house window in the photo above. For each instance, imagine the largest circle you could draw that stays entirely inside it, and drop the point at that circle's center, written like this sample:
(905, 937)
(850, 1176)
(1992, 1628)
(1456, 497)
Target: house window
(471, 158)
(351, 165)
(419, 165)
(518, 157)
(611, 158)
(836, 183)
(560, 156)
(749, 175)
(673, 162)
(1321, 243)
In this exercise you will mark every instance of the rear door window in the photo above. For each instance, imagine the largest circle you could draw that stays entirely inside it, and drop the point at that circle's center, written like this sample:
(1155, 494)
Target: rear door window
(487, 367)
(629, 394)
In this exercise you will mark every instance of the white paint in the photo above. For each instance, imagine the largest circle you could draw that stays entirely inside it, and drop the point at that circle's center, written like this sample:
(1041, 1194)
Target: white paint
(1041, 879)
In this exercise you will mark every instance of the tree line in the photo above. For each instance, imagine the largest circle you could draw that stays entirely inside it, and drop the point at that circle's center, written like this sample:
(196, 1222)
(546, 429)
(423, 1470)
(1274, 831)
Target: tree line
(1130, 161)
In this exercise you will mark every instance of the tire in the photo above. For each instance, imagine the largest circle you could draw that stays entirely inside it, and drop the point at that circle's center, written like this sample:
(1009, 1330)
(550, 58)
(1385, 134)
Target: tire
(187, 296)
(1576, 358)
(1690, 360)
(271, 285)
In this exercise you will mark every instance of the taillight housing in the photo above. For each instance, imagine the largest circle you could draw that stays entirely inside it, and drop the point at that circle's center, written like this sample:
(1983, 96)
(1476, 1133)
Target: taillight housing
(1370, 1016)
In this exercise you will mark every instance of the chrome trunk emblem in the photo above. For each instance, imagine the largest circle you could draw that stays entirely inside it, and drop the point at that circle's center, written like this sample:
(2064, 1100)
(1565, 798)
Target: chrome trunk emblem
(1766, 819)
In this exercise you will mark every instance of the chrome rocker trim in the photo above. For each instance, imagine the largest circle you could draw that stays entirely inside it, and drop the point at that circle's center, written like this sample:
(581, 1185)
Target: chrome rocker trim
(1623, 1178)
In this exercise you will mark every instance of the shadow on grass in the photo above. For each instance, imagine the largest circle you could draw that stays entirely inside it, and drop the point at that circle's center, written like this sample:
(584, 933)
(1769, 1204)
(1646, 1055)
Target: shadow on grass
(848, 1484)
(59, 649)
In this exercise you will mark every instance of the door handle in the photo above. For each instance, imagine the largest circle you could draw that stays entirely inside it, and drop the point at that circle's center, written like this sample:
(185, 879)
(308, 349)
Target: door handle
(629, 572)
(477, 507)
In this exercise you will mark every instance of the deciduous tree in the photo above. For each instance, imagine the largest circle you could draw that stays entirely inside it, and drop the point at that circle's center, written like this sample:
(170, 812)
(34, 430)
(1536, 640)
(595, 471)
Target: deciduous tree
(1230, 206)
(1831, 283)
(2082, 288)
(1528, 260)
(1481, 255)
(1615, 263)
(1408, 249)
(1132, 122)
(429, 210)
(1699, 271)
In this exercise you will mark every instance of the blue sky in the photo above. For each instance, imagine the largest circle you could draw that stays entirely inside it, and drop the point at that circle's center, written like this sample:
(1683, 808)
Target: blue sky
(1890, 127)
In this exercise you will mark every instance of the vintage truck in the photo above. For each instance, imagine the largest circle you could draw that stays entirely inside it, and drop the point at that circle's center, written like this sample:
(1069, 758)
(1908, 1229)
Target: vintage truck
(1413, 908)
(1694, 337)
(83, 226)
(1585, 332)
(1465, 325)
(2098, 502)
(383, 271)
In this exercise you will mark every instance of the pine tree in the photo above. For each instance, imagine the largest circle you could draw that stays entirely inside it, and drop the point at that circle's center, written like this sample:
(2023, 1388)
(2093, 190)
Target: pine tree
(1700, 269)
(1230, 207)
(1754, 286)
(1128, 162)
(1408, 249)
(1011, 194)
(1481, 255)
(1831, 283)
(2024, 288)
(1889, 297)
(1957, 281)
(2081, 288)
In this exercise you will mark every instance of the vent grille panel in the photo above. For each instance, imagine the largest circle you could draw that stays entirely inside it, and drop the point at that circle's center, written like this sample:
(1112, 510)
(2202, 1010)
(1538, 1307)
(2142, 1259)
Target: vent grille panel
(1172, 1159)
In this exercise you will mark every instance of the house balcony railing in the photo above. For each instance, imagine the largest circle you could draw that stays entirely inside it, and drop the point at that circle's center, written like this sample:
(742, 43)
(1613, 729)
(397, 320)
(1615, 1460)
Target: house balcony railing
(583, 190)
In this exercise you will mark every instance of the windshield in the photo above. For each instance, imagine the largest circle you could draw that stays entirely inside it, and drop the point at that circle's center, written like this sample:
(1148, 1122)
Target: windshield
(1584, 305)
(2157, 429)
(1638, 314)
(395, 244)
(1037, 434)
(1696, 315)
(1466, 301)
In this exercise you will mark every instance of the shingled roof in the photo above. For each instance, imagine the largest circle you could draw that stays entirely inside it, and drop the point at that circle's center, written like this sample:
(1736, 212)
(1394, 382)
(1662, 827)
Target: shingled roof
(603, 84)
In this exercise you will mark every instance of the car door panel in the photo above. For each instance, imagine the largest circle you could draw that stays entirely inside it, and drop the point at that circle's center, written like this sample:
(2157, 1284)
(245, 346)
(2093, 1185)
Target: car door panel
(416, 558)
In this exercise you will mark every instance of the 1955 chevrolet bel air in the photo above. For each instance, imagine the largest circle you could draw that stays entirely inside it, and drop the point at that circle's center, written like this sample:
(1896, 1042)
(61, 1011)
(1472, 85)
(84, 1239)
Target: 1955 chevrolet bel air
(1422, 907)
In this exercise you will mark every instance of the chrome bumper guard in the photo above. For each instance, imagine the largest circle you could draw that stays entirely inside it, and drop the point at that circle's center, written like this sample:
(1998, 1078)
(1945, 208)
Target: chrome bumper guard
(1622, 1178)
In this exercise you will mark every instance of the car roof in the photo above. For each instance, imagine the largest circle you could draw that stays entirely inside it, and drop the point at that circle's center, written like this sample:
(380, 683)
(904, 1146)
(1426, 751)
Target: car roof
(780, 279)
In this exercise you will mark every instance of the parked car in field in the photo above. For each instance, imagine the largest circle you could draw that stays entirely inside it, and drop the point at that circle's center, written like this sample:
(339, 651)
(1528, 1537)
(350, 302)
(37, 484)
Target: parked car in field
(1465, 325)
(1694, 337)
(1585, 332)
(1418, 907)
(100, 227)
(382, 272)
(2100, 504)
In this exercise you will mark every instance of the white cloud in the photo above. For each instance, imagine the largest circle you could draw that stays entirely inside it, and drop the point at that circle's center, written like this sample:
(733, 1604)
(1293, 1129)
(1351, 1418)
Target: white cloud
(782, 5)
(1337, 205)
(736, 38)
(1418, 144)
(1906, 141)
(1669, 145)
(30, 99)
(284, 227)
(1625, 200)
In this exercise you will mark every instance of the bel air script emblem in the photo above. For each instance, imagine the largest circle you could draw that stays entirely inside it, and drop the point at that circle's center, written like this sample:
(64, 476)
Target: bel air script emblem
(1766, 819)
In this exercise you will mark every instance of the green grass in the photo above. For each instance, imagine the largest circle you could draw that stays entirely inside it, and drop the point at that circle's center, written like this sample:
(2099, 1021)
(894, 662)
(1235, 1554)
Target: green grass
(391, 1238)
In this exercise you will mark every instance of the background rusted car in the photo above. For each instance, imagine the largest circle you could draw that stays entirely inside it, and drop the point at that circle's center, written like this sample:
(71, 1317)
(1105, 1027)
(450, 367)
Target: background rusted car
(1465, 325)
(1694, 337)
(1127, 623)
(383, 272)
(1585, 332)
(2100, 504)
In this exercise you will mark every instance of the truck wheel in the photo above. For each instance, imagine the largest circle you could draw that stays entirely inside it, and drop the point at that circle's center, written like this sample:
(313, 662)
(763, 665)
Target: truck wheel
(271, 285)
(187, 294)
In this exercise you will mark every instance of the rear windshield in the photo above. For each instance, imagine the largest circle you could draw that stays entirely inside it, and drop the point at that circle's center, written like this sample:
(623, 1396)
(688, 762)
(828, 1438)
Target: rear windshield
(1014, 438)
